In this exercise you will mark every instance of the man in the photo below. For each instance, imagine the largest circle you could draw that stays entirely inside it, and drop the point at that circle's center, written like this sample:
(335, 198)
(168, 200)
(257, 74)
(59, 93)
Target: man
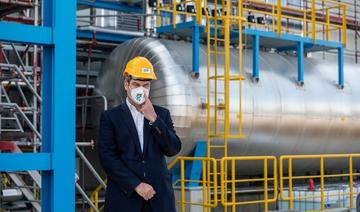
(133, 139)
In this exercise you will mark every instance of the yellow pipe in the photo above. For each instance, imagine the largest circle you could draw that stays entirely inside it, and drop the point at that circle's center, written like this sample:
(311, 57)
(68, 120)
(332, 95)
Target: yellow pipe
(290, 184)
(279, 24)
(204, 185)
(198, 12)
(305, 25)
(266, 185)
(281, 177)
(158, 18)
(222, 162)
(233, 189)
(273, 17)
(351, 181)
(344, 34)
(182, 192)
(174, 14)
(275, 172)
(313, 20)
(327, 24)
(215, 182)
(322, 183)
(208, 185)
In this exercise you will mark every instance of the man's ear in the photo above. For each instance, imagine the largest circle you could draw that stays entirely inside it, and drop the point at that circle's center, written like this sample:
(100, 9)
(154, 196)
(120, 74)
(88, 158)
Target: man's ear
(126, 85)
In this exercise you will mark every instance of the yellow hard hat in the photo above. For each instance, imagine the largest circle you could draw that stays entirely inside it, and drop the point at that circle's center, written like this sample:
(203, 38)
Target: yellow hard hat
(140, 68)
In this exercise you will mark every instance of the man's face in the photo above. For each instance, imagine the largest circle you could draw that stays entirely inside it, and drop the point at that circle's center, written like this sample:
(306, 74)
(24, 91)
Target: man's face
(132, 84)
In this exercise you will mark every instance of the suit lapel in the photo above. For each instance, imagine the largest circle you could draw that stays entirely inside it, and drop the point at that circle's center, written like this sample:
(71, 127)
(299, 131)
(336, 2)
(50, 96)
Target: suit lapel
(129, 122)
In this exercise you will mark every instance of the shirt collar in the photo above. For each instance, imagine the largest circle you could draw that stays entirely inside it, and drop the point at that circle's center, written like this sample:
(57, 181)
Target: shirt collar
(131, 107)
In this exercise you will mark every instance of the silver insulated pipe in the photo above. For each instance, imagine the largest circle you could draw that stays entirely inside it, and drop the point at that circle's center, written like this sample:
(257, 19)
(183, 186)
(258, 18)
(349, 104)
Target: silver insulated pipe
(279, 116)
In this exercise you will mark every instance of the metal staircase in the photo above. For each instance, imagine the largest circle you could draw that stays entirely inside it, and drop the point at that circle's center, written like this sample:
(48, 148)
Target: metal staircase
(9, 120)
(17, 177)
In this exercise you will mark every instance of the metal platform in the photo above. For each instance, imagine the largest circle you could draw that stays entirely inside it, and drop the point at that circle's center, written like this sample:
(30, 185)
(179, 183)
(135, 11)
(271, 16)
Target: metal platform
(286, 42)
(262, 39)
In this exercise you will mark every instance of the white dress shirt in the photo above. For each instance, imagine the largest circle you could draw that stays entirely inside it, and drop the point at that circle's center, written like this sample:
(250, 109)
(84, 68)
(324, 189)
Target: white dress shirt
(139, 122)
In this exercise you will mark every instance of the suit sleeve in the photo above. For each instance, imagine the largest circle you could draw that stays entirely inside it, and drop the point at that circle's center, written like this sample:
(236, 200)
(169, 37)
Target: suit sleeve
(112, 164)
(165, 135)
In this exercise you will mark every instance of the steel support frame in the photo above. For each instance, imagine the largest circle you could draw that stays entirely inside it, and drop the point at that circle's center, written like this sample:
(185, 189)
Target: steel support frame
(341, 80)
(57, 157)
(256, 57)
(195, 49)
(300, 63)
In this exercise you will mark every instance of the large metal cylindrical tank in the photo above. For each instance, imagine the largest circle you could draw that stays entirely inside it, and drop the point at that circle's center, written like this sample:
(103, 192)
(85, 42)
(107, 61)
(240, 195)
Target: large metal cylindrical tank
(280, 117)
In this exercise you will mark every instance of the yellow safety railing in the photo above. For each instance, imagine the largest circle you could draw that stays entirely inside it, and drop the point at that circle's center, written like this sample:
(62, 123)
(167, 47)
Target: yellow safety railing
(289, 177)
(269, 177)
(313, 22)
(208, 182)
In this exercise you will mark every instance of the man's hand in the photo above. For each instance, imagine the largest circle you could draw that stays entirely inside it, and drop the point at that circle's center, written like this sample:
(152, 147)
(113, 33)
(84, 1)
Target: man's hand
(148, 110)
(145, 190)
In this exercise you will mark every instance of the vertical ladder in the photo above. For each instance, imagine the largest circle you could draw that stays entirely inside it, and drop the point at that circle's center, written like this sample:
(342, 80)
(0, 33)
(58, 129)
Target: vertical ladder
(220, 126)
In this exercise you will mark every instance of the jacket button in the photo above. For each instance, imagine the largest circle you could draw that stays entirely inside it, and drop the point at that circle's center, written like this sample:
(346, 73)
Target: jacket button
(143, 161)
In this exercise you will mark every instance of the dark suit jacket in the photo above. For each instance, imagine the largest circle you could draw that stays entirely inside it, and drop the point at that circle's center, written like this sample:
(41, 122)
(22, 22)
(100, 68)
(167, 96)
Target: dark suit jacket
(127, 166)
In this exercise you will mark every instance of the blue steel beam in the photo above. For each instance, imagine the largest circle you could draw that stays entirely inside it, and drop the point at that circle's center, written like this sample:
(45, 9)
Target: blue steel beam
(341, 67)
(58, 107)
(25, 161)
(13, 32)
(179, 26)
(196, 49)
(294, 48)
(256, 56)
(300, 62)
(103, 36)
(196, 166)
(117, 6)
(294, 38)
(193, 169)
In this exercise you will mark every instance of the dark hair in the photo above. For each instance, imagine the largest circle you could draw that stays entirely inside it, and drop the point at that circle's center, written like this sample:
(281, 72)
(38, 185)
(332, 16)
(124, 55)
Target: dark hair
(128, 78)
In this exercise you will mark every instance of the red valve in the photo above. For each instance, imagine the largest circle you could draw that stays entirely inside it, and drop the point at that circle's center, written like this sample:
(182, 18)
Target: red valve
(311, 185)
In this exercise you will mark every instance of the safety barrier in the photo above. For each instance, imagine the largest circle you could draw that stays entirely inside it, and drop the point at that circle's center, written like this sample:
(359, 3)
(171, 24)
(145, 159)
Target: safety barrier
(272, 184)
(228, 165)
(322, 176)
(208, 182)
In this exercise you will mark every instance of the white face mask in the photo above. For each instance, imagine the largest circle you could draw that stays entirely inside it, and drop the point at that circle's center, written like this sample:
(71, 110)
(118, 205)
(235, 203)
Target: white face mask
(138, 94)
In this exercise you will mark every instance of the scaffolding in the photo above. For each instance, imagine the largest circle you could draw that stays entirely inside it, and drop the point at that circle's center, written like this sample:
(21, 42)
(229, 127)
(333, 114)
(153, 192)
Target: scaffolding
(20, 77)
(36, 90)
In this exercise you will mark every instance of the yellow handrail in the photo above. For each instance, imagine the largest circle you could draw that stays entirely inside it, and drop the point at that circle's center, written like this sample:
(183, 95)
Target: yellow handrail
(275, 13)
(208, 182)
(233, 181)
(289, 159)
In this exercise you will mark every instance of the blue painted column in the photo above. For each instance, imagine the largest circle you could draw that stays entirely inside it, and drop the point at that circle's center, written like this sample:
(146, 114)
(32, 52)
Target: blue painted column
(341, 67)
(256, 56)
(196, 49)
(58, 107)
(193, 169)
(300, 62)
